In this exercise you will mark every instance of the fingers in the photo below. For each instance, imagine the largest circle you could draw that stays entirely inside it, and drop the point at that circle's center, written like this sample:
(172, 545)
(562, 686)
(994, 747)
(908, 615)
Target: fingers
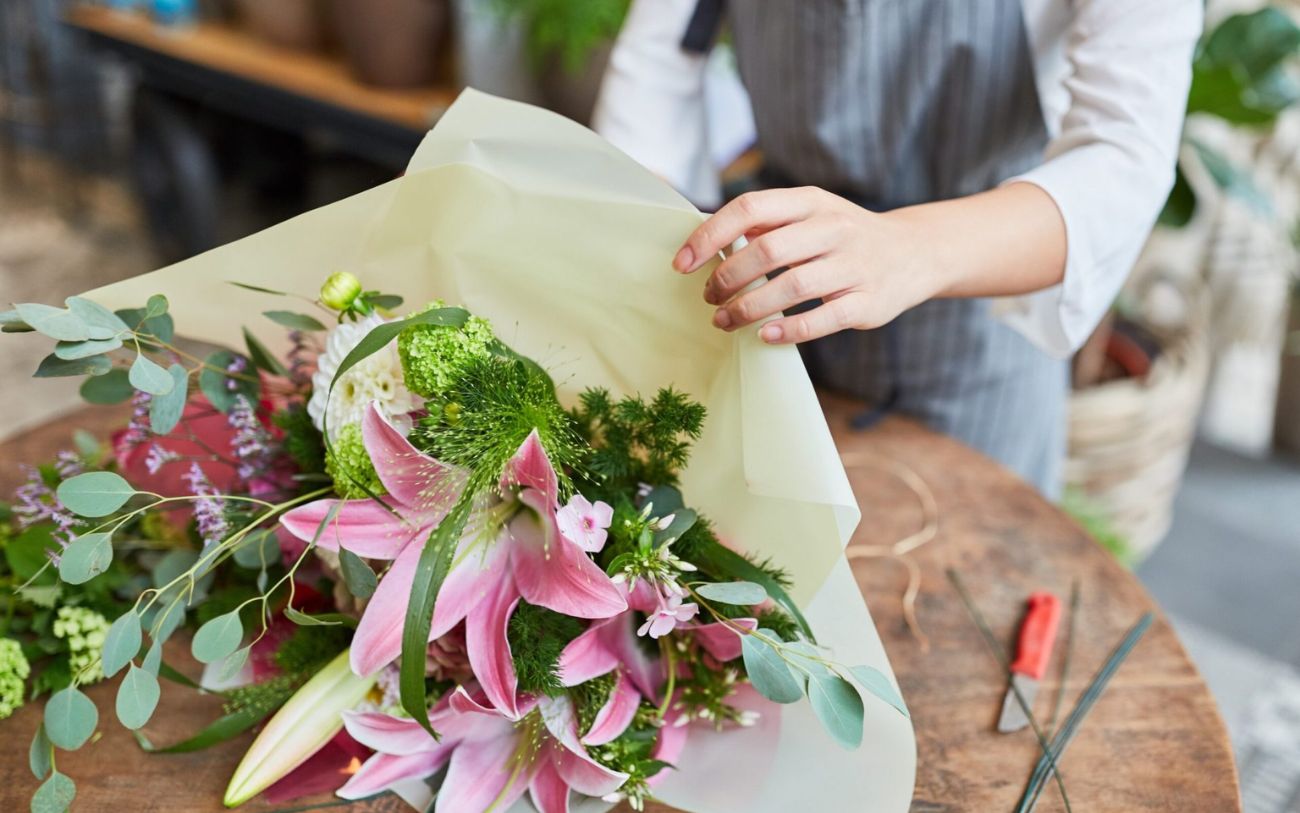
(780, 248)
(831, 317)
(799, 284)
(751, 211)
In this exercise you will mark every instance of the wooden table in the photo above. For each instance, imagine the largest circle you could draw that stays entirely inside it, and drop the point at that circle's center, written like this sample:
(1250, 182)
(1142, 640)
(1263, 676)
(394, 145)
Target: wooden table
(1154, 742)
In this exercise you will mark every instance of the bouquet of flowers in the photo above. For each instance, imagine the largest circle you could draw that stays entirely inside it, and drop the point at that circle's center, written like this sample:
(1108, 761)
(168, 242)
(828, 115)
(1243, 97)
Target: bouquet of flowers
(399, 536)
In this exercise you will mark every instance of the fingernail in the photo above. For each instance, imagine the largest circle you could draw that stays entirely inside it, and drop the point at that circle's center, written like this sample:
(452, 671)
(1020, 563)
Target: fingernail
(709, 296)
(684, 259)
(722, 319)
(771, 333)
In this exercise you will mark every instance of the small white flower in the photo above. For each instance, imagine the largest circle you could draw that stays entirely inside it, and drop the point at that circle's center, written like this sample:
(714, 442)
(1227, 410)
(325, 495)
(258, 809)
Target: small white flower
(378, 378)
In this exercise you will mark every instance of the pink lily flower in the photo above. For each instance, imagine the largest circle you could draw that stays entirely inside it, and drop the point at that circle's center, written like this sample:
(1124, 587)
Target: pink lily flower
(491, 759)
(585, 523)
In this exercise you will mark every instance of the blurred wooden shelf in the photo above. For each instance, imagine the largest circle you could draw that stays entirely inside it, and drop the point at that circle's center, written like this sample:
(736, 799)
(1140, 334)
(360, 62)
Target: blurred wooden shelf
(225, 49)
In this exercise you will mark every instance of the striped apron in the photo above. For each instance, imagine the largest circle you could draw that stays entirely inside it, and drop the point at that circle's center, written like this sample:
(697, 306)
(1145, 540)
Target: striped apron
(896, 102)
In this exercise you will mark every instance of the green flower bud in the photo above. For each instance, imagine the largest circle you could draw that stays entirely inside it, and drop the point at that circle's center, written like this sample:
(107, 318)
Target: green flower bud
(14, 670)
(340, 290)
(349, 465)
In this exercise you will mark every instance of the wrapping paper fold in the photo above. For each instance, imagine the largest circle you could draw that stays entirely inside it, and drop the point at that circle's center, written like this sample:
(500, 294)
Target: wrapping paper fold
(564, 243)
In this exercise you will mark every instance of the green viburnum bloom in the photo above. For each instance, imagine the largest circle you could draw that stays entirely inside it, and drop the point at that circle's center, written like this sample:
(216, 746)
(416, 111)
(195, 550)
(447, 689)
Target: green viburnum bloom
(14, 670)
(349, 465)
(340, 290)
(435, 356)
(83, 629)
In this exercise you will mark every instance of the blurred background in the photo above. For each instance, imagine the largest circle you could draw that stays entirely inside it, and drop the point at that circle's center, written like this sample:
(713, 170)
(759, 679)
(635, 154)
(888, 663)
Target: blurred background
(136, 133)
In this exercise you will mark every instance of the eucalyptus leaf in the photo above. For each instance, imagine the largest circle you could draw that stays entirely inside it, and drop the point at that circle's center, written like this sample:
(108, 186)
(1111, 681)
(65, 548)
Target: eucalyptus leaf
(147, 376)
(875, 682)
(71, 351)
(96, 315)
(59, 323)
(218, 638)
(231, 665)
(357, 575)
(88, 446)
(262, 358)
(70, 718)
(323, 620)
(744, 594)
(95, 493)
(113, 387)
(258, 550)
(156, 306)
(153, 657)
(137, 697)
(12, 322)
(294, 321)
(55, 795)
(40, 753)
(87, 557)
(839, 707)
(165, 411)
(54, 367)
(121, 643)
(664, 500)
(768, 672)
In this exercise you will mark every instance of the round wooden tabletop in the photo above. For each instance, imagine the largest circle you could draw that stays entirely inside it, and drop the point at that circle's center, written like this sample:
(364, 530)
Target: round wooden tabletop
(1154, 742)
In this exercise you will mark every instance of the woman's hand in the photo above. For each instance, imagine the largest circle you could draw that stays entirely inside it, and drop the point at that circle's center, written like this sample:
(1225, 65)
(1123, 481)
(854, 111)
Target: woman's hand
(866, 267)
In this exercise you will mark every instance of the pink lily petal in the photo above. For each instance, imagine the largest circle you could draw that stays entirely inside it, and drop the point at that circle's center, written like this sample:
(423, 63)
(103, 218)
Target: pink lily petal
(479, 564)
(382, 770)
(589, 655)
(555, 573)
(489, 651)
(531, 468)
(400, 736)
(411, 477)
(668, 748)
(467, 704)
(616, 715)
(378, 640)
(480, 775)
(575, 765)
(643, 598)
(548, 790)
(720, 640)
(647, 673)
(362, 526)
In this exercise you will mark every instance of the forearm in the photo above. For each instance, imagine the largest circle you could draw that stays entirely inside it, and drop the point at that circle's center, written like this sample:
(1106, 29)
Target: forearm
(1007, 241)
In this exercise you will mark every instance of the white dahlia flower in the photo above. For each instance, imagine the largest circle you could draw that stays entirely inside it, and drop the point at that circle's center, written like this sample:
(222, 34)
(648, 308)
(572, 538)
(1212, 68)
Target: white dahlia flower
(377, 378)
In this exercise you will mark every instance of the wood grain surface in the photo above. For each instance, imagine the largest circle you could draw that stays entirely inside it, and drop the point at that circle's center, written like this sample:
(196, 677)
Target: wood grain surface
(232, 50)
(1155, 741)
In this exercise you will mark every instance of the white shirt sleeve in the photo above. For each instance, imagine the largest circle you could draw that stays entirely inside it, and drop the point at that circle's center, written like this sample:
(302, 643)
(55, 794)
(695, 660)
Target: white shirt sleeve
(1110, 165)
(652, 100)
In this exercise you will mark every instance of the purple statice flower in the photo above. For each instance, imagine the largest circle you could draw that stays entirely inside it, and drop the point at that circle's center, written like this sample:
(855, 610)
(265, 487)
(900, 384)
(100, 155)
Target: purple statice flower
(251, 443)
(209, 508)
(68, 464)
(300, 358)
(37, 502)
(237, 366)
(159, 457)
(137, 431)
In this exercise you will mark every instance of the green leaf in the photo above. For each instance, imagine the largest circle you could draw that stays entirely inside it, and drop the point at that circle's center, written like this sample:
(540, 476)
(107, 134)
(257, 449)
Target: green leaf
(231, 665)
(71, 351)
(262, 358)
(28, 555)
(70, 718)
(744, 594)
(156, 306)
(39, 755)
(215, 385)
(137, 697)
(664, 500)
(55, 794)
(769, 674)
(259, 289)
(875, 682)
(721, 562)
(358, 576)
(96, 315)
(122, 643)
(218, 638)
(385, 301)
(149, 377)
(1180, 207)
(258, 550)
(59, 323)
(152, 662)
(683, 520)
(86, 558)
(54, 367)
(95, 493)
(294, 321)
(839, 707)
(430, 572)
(165, 411)
(323, 620)
(1234, 180)
(113, 387)
(88, 446)
(222, 729)
(11, 322)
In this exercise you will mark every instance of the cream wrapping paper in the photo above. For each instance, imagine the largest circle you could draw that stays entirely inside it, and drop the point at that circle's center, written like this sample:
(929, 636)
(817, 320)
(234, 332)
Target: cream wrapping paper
(564, 243)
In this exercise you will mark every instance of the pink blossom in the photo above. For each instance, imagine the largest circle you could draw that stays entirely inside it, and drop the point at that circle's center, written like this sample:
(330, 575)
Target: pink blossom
(585, 523)
(667, 616)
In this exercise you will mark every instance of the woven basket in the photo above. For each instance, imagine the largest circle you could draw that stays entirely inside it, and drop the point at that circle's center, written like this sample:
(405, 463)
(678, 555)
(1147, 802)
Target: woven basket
(1129, 439)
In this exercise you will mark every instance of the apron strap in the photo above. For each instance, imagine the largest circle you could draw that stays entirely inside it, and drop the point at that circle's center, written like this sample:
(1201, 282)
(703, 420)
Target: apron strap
(702, 31)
